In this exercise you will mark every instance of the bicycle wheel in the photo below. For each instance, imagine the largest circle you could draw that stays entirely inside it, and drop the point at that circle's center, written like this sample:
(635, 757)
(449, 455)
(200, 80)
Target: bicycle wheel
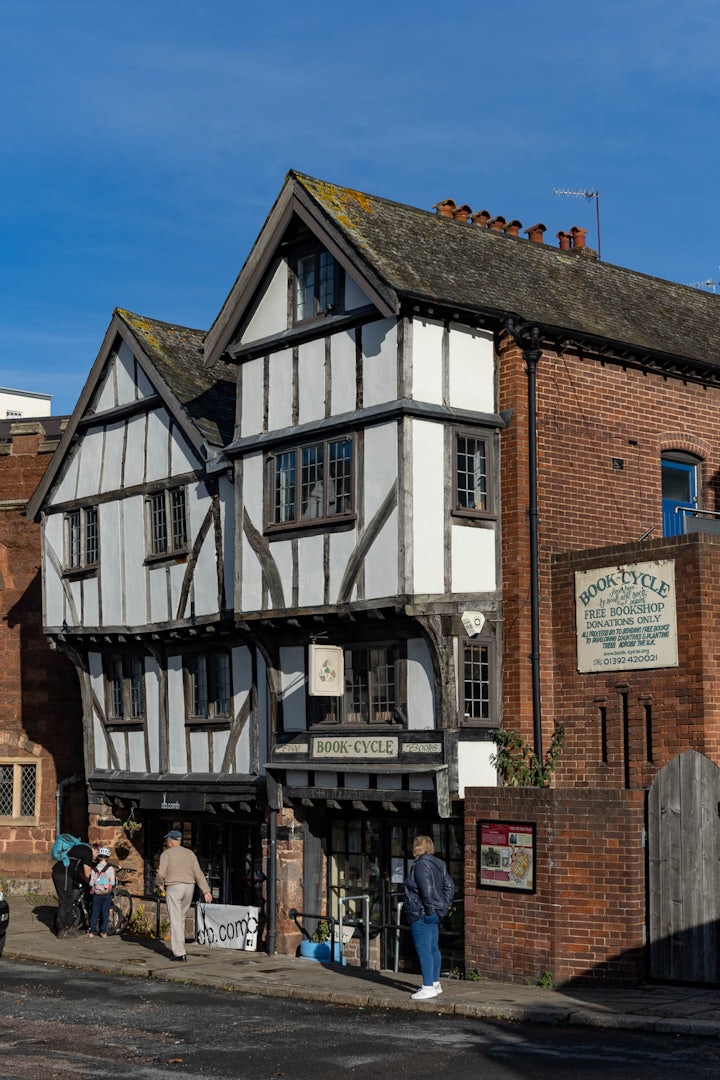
(120, 911)
(77, 917)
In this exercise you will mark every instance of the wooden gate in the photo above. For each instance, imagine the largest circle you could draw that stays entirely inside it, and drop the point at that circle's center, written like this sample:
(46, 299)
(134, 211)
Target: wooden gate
(684, 870)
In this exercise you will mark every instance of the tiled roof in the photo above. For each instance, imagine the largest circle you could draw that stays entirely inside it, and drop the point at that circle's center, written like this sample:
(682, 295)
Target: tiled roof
(430, 258)
(176, 353)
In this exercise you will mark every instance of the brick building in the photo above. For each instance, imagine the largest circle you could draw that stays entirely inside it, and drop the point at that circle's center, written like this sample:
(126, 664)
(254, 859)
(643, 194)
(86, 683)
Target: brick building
(40, 715)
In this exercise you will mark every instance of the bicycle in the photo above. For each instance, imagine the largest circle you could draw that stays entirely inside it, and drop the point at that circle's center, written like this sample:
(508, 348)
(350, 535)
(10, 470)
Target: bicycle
(121, 906)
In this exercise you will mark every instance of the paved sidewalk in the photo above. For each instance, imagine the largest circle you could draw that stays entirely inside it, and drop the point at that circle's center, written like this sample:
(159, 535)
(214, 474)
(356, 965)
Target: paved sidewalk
(666, 1009)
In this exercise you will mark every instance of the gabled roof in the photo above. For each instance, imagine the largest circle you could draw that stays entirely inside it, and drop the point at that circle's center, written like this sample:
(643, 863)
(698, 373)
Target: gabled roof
(402, 253)
(201, 403)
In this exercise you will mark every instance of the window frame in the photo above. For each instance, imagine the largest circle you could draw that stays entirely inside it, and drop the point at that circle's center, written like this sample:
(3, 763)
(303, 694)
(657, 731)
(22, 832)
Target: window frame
(319, 310)
(300, 470)
(81, 540)
(119, 671)
(458, 510)
(333, 712)
(467, 720)
(176, 542)
(212, 717)
(17, 765)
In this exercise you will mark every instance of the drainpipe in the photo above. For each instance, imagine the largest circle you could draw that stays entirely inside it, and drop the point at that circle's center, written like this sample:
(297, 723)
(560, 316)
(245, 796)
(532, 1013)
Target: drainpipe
(76, 779)
(528, 337)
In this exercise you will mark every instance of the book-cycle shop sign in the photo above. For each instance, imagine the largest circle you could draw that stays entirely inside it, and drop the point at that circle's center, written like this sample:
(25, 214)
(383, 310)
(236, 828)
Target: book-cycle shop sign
(626, 617)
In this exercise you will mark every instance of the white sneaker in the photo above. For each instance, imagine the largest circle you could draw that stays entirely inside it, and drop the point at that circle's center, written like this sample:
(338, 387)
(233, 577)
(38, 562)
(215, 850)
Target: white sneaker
(424, 993)
(437, 987)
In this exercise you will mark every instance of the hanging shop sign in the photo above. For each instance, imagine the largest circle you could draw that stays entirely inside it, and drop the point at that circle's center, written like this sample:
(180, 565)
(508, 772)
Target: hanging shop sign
(326, 667)
(626, 617)
(227, 926)
(506, 855)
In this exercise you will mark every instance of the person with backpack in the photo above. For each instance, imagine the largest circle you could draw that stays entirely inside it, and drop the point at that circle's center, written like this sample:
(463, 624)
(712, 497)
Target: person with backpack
(102, 883)
(73, 863)
(429, 891)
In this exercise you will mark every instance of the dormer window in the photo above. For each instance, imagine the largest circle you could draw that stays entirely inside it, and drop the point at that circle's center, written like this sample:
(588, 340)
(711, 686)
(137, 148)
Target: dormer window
(317, 285)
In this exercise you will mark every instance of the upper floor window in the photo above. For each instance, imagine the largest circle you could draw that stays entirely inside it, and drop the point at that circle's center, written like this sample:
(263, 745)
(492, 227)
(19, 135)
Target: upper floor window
(370, 689)
(167, 522)
(311, 483)
(317, 284)
(477, 682)
(679, 489)
(209, 687)
(18, 790)
(125, 688)
(81, 538)
(471, 470)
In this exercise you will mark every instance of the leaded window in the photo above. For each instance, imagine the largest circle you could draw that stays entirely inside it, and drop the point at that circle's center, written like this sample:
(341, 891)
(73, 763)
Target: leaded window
(370, 695)
(18, 790)
(167, 522)
(477, 684)
(312, 483)
(81, 538)
(209, 686)
(318, 285)
(125, 688)
(471, 472)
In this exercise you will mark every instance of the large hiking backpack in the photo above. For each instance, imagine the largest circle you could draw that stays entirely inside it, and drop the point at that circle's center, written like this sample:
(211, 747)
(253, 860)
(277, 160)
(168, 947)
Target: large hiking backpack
(61, 847)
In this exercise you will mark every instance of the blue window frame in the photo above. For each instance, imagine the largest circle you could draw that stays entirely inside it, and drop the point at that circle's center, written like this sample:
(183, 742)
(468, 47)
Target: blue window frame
(679, 488)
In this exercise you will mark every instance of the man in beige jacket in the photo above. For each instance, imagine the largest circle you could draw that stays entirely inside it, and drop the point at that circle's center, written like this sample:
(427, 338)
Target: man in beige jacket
(178, 874)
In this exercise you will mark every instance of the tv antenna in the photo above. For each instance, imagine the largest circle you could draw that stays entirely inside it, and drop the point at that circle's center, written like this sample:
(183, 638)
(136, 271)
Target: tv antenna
(589, 193)
(707, 284)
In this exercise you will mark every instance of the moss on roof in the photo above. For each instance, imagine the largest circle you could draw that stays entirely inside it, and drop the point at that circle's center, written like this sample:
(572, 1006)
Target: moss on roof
(421, 255)
(176, 353)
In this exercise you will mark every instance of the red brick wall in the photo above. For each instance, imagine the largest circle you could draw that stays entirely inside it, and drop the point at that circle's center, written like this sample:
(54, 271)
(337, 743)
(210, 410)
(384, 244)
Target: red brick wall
(40, 714)
(585, 920)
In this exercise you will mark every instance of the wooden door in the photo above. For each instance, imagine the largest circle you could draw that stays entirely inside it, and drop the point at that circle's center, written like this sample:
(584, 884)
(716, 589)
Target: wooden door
(684, 870)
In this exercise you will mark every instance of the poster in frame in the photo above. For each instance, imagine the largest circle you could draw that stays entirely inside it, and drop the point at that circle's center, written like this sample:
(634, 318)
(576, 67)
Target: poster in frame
(506, 856)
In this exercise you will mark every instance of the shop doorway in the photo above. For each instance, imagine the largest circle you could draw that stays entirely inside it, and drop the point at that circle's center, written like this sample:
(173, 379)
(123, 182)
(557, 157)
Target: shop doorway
(371, 857)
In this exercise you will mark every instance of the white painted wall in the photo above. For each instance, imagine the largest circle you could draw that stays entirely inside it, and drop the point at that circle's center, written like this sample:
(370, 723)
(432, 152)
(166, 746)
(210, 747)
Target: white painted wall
(428, 518)
(125, 391)
(112, 462)
(270, 316)
(474, 768)
(379, 341)
(426, 360)
(280, 390)
(177, 757)
(251, 592)
(251, 394)
(343, 390)
(89, 462)
(354, 296)
(473, 559)
(472, 369)
(292, 683)
(152, 712)
(311, 381)
(420, 686)
(157, 458)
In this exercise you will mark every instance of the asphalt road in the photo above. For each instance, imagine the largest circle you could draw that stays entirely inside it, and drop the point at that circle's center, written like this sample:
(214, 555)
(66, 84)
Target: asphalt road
(67, 1025)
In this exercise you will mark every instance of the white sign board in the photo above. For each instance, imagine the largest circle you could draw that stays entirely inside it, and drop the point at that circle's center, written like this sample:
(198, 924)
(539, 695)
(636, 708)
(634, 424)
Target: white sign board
(626, 617)
(227, 926)
(326, 671)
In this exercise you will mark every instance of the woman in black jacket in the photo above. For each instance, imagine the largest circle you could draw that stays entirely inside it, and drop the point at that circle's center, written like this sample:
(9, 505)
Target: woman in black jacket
(429, 891)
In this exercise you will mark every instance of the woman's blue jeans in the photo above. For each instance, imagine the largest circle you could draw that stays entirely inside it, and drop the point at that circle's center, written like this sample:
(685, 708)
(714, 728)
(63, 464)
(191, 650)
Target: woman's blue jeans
(425, 933)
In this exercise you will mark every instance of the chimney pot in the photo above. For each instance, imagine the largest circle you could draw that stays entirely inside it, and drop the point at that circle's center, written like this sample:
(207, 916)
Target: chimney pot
(564, 238)
(462, 213)
(481, 217)
(535, 233)
(445, 208)
(513, 227)
(578, 236)
(497, 224)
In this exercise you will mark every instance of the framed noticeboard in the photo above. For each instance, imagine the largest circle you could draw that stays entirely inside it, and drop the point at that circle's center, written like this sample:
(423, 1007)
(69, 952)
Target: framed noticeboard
(506, 855)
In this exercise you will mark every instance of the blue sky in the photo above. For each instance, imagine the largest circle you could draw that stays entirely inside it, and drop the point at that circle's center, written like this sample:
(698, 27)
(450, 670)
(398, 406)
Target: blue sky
(143, 144)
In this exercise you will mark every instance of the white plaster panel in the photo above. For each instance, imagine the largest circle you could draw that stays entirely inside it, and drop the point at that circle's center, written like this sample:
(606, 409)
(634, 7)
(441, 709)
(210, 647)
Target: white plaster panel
(157, 465)
(270, 315)
(177, 756)
(343, 386)
(474, 768)
(252, 379)
(292, 684)
(112, 462)
(66, 486)
(158, 608)
(101, 752)
(75, 590)
(125, 376)
(152, 712)
(182, 456)
(311, 381)
(379, 344)
(144, 388)
(90, 461)
(263, 710)
(133, 555)
(177, 577)
(53, 596)
(199, 751)
(297, 778)
(381, 561)
(251, 598)
(281, 552)
(311, 575)
(90, 601)
(205, 578)
(117, 738)
(226, 493)
(354, 296)
(342, 545)
(357, 780)
(105, 397)
(420, 686)
(136, 751)
(428, 464)
(251, 579)
(472, 369)
(280, 393)
(110, 524)
(241, 660)
(380, 465)
(473, 559)
(220, 741)
(135, 451)
(427, 363)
